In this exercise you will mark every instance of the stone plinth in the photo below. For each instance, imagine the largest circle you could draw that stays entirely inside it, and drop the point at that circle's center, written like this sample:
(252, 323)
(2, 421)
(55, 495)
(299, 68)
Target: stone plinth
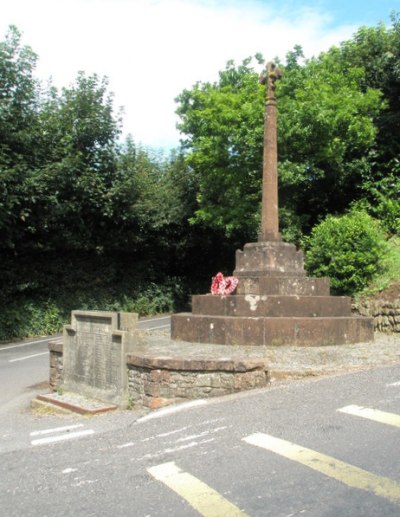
(255, 305)
(271, 331)
(276, 304)
(95, 347)
(269, 259)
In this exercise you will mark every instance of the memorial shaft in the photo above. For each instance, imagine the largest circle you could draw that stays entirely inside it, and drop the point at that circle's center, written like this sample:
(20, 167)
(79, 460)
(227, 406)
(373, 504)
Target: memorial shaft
(269, 215)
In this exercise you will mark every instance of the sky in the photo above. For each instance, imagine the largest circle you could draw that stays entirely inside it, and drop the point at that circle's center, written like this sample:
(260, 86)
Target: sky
(151, 50)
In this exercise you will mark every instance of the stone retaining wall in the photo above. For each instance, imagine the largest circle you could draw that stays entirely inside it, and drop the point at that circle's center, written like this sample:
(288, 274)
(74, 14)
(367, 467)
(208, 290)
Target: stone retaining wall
(386, 314)
(155, 383)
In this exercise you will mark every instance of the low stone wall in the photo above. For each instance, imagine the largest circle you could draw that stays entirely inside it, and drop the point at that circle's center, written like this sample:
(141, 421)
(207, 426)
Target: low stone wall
(386, 314)
(155, 383)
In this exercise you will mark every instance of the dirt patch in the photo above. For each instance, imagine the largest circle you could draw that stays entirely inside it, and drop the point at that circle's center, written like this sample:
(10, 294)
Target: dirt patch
(389, 294)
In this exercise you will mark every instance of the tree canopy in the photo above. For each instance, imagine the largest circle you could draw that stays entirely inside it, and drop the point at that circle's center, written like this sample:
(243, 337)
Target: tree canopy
(338, 113)
(73, 192)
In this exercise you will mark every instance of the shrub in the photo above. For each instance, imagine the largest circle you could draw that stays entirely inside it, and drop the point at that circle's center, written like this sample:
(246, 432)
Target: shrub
(349, 250)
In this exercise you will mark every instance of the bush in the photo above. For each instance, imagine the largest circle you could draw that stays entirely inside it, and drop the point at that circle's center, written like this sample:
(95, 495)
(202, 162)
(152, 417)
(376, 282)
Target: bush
(349, 250)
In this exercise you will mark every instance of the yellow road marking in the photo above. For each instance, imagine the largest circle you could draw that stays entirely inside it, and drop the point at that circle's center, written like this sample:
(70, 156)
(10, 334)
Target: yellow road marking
(339, 470)
(372, 414)
(203, 498)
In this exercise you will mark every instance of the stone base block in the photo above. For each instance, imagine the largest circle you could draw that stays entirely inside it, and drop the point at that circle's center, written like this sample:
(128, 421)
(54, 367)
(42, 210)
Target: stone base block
(270, 259)
(230, 330)
(253, 305)
(284, 286)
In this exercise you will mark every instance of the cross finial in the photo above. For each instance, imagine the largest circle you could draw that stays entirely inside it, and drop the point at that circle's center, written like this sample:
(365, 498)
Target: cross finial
(268, 77)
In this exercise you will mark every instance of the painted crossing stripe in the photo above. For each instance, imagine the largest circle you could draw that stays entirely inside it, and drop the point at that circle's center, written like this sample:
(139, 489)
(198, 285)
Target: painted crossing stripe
(62, 437)
(200, 496)
(372, 414)
(55, 430)
(331, 467)
(27, 357)
(19, 345)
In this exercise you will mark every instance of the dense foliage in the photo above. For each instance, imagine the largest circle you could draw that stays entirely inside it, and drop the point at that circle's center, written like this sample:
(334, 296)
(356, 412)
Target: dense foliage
(348, 249)
(89, 220)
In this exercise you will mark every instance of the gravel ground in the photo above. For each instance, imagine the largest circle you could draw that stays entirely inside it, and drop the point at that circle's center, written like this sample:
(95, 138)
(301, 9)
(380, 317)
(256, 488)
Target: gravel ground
(290, 361)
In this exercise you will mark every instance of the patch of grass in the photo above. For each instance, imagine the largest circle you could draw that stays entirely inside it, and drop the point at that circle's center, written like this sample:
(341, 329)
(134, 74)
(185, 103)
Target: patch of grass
(389, 273)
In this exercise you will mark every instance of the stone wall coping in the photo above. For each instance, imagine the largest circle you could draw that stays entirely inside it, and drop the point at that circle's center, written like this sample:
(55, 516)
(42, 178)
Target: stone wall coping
(177, 363)
(56, 345)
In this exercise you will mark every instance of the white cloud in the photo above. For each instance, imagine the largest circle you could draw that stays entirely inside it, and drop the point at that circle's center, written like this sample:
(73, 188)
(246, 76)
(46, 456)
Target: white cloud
(151, 50)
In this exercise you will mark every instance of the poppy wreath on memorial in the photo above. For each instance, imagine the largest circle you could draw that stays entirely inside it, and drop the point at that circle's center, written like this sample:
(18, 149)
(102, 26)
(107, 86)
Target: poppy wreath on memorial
(223, 285)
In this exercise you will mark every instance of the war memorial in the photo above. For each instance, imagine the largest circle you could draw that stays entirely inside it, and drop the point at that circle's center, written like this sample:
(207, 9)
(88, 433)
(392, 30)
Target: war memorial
(221, 346)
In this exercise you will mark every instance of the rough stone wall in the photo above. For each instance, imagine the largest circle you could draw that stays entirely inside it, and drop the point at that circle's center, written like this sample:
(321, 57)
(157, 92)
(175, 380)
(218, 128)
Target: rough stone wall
(154, 388)
(386, 314)
(56, 364)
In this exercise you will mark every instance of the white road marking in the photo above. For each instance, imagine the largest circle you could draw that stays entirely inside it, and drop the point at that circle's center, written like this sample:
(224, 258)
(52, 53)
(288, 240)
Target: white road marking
(170, 450)
(154, 319)
(372, 414)
(204, 499)
(124, 445)
(62, 437)
(162, 435)
(393, 384)
(27, 357)
(204, 433)
(20, 345)
(159, 327)
(329, 466)
(69, 471)
(55, 430)
(172, 409)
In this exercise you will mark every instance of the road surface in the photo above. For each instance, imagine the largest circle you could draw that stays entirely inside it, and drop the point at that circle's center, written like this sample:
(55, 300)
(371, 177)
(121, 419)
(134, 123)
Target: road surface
(317, 447)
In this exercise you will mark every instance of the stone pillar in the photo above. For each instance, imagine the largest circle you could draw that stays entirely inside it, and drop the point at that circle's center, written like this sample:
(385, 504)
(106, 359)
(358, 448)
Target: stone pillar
(269, 216)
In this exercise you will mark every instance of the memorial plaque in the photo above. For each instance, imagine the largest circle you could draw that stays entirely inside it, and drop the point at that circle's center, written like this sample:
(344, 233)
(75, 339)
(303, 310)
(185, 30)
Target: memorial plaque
(95, 348)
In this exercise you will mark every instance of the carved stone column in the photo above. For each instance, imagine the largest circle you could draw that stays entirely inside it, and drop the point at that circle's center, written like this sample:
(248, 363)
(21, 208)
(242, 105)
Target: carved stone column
(269, 216)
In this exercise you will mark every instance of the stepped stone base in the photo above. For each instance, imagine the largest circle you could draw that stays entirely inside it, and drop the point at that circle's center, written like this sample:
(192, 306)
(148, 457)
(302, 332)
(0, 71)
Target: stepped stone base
(276, 304)
(231, 330)
(254, 305)
(286, 286)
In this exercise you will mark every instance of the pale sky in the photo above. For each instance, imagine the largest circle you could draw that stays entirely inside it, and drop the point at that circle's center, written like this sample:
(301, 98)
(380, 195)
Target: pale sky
(152, 49)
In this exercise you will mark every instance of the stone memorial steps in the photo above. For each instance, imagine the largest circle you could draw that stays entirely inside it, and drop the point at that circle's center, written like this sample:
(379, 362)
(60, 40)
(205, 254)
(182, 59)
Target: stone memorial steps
(255, 305)
(270, 331)
(276, 304)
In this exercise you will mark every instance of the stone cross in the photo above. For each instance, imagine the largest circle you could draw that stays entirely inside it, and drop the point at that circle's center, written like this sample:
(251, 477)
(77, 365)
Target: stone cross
(269, 215)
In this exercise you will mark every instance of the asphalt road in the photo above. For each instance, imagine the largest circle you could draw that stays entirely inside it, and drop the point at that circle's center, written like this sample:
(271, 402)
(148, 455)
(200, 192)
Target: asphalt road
(296, 448)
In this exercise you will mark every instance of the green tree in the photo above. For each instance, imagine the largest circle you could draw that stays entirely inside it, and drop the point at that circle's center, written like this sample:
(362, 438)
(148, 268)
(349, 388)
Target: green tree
(325, 129)
(18, 120)
(69, 204)
(326, 136)
(377, 51)
(223, 125)
(348, 249)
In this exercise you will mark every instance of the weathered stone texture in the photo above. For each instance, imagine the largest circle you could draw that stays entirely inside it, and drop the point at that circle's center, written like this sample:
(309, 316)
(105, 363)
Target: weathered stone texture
(271, 331)
(269, 259)
(284, 286)
(94, 348)
(56, 363)
(386, 314)
(255, 305)
(158, 388)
